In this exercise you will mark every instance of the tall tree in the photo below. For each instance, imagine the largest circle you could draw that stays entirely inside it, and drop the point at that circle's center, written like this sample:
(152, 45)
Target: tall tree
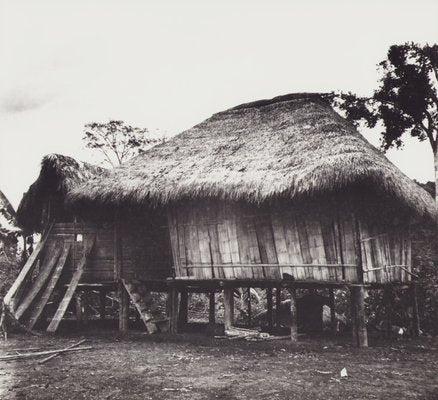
(405, 102)
(116, 141)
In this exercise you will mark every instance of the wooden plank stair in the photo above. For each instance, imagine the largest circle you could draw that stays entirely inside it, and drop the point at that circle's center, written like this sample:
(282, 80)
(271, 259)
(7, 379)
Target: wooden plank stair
(12, 297)
(44, 273)
(44, 298)
(144, 305)
(56, 320)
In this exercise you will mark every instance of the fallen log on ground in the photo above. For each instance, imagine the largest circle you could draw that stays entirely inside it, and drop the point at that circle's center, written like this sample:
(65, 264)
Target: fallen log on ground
(27, 349)
(41, 353)
(57, 354)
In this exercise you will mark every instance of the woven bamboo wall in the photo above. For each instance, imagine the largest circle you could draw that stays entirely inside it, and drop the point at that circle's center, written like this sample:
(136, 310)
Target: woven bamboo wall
(214, 239)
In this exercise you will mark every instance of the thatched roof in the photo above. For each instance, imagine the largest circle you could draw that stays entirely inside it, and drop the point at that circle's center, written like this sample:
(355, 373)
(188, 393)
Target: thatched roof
(290, 146)
(59, 174)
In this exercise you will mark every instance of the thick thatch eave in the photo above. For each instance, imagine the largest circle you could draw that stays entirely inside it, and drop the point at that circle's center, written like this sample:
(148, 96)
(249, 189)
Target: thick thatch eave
(291, 146)
(59, 174)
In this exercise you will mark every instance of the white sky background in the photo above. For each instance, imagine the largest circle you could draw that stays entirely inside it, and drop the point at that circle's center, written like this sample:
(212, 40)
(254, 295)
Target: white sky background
(168, 65)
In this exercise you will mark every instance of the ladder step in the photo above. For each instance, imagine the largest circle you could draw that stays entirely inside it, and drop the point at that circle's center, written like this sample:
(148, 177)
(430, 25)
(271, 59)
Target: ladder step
(135, 297)
(130, 287)
(144, 304)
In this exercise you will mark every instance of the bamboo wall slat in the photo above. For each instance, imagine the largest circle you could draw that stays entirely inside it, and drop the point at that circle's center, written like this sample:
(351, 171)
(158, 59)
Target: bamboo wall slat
(241, 241)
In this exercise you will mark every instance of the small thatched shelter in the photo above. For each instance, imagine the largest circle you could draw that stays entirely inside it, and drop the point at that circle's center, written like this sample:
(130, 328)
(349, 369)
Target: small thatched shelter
(44, 200)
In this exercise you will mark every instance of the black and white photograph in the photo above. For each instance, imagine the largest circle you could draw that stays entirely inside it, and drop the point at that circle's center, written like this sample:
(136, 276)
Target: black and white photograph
(218, 200)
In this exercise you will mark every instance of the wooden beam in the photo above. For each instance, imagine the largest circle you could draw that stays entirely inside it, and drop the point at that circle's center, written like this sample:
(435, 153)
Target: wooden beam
(278, 307)
(118, 274)
(333, 322)
(248, 302)
(86, 305)
(353, 316)
(228, 308)
(359, 321)
(293, 314)
(102, 305)
(123, 308)
(78, 307)
(388, 301)
(183, 315)
(43, 300)
(358, 249)
(28, 267)
(269, 314)
(44, 274)
(212, 308)
(415, 313)
(56, 320)
(173, 310)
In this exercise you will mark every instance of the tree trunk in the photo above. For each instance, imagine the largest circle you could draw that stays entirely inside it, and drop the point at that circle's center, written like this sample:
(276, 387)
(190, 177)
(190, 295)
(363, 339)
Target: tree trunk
(435, 162)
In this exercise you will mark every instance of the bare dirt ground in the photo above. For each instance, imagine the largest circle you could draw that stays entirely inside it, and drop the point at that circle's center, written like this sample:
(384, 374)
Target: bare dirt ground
(137, 366)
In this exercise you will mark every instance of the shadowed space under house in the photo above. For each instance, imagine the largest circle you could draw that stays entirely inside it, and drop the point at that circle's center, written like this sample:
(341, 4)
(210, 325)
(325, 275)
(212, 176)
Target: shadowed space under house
(280, 193)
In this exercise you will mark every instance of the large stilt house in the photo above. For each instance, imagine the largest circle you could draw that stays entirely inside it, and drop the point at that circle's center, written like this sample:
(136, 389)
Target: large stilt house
(280, 193)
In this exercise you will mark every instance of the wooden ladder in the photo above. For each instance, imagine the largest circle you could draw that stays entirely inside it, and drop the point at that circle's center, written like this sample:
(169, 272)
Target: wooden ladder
(144, 305)
(56, 320)
(44, 298)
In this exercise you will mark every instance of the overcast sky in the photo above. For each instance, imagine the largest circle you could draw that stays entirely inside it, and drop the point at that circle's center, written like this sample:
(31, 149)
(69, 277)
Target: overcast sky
(167, 65)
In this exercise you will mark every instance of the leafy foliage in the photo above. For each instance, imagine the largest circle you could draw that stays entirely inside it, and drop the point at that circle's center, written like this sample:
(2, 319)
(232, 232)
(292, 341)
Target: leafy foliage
(117, 141)
(406, 100)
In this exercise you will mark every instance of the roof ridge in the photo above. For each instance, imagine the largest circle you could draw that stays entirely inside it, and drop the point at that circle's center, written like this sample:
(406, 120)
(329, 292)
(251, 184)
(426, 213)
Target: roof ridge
(283, 98)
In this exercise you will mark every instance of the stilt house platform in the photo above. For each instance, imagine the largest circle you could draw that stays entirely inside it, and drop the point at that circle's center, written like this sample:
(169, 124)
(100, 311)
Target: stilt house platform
(276, 194)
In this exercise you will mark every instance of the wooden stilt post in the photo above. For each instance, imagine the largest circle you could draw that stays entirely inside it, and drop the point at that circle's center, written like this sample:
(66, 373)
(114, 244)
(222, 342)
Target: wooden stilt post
(248, 304)
(86, 306)
(360, 329)
(332, 311)
(277, 307)
(212, 308)
(269, 313)
(123, 308)
(293, 314)
(359, 321)
(388, 299)
(183, 317)
(415, 313)
(78, 307)
(353, 315)
(102, 305)
(173, 310)
(118, 275)
(228, 308)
